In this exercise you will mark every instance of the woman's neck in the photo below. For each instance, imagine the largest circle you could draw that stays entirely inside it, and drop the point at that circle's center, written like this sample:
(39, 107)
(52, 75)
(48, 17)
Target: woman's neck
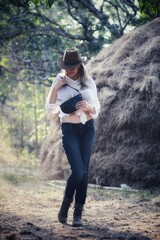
(74, 77)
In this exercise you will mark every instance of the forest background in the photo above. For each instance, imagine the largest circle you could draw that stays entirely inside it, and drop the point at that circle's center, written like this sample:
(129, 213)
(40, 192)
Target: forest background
(33, 34)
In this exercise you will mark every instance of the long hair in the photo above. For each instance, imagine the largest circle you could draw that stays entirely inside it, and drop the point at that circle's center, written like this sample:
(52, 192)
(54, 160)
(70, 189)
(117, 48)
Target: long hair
(83, 74)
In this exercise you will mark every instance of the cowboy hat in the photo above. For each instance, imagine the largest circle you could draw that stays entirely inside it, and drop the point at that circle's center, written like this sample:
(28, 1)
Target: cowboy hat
(70, 59)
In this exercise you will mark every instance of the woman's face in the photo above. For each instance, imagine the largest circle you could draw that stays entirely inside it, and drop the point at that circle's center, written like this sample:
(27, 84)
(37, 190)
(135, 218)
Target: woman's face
(73, 72)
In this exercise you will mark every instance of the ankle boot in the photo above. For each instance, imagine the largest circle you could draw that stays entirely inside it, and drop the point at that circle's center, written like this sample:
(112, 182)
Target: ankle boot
(63, 213)
(77, 215)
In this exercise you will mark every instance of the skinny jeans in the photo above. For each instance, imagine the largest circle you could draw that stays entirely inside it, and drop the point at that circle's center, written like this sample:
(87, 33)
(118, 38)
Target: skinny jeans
(77, 140)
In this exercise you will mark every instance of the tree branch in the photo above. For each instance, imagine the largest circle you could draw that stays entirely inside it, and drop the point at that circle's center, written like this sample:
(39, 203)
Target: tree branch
(101, 16)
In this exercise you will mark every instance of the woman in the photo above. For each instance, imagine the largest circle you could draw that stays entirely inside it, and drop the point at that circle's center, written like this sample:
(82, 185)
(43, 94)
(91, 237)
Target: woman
(77, 127)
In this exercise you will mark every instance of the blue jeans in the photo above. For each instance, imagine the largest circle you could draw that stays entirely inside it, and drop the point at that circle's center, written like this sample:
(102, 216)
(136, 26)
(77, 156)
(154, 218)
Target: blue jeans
(77, 142)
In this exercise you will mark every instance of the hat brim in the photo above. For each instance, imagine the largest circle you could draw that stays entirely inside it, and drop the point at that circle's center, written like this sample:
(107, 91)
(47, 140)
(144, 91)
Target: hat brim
(62, 65)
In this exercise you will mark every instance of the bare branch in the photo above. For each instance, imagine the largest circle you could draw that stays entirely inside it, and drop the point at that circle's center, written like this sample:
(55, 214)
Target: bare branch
(101, 16)
(58, 29)
(80, 19)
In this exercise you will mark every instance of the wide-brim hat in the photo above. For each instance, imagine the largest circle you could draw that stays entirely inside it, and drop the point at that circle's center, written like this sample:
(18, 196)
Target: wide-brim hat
(70, 59)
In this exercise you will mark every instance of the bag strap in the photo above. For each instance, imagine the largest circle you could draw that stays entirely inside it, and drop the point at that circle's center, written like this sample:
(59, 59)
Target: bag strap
(71, 87)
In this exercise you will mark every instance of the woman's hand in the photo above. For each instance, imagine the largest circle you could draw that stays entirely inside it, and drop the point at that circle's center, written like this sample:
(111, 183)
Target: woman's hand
(61, 81)
(85, 106)
(53, 95)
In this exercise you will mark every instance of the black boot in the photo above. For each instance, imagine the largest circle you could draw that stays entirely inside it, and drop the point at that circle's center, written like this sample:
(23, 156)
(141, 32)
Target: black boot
(63, 213)
(77, 215)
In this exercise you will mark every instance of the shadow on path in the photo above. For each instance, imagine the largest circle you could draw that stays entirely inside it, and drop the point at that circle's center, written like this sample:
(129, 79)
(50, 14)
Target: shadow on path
(13, 227)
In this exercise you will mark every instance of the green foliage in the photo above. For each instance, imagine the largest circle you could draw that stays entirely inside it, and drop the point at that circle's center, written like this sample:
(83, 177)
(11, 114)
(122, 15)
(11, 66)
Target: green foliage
(33, 34)
(16, 178)
(150, 8)
(40, 2)
(24, 119)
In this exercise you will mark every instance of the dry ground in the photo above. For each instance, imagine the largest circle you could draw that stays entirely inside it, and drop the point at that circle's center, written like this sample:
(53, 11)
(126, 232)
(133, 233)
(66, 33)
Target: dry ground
(29, 209)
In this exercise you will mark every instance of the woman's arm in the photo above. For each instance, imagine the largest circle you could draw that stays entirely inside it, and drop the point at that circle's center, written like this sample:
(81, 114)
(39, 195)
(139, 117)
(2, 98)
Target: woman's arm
(55, 88)
(92, 105)
(51, 103)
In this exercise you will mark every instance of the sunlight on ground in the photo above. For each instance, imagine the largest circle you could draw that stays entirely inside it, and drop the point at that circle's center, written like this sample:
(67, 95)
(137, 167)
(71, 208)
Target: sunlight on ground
(29, 207)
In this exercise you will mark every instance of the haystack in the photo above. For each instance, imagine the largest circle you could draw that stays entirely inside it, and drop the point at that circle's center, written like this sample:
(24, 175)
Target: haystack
(53, 161)
(127, 144)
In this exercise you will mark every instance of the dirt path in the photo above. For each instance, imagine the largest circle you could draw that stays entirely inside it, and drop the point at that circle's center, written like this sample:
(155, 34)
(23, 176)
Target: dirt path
(28, 210)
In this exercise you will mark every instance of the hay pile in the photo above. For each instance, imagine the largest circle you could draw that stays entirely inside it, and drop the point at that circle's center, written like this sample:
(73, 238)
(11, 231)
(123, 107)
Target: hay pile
(53, 161)
(127, 146)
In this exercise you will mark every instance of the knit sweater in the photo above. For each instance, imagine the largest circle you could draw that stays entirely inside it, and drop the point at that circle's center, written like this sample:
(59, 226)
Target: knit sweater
(89, 93)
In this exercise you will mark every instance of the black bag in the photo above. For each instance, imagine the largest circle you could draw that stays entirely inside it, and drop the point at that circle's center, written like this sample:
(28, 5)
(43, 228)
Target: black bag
(69, 106)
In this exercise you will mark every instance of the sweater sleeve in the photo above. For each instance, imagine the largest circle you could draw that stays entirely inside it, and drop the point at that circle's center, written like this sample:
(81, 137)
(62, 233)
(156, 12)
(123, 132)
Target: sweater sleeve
(94, 100)
(53, 107)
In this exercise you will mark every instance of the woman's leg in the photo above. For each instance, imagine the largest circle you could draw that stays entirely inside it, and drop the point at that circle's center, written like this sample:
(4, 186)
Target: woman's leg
(71, 136)
(87, 140)
(81, 191)
(77, 142)
(71, 144)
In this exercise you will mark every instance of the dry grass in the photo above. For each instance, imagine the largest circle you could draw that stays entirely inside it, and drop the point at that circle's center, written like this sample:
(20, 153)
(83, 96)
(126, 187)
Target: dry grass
(127, 146)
